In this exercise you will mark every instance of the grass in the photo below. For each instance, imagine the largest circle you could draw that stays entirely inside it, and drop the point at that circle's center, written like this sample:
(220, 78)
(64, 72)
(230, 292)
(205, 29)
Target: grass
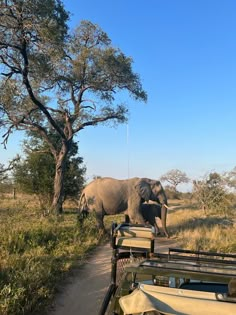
(196, 231)
(37, 252)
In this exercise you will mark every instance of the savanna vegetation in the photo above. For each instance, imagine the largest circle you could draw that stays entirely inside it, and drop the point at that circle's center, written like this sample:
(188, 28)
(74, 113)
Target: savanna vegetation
(54, 83)
(195, 229)
(37, 251)
(206, 218)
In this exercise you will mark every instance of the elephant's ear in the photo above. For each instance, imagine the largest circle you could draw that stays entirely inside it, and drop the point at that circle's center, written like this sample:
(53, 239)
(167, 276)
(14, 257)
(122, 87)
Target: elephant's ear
(143, 188)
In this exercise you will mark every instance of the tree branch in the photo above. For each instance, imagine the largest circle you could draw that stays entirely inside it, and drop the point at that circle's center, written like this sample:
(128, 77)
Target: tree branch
(97, 120)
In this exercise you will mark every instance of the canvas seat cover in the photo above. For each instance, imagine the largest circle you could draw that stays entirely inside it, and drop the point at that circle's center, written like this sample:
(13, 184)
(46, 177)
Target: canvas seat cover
(138, 242)
(135, 231)
(174, 301)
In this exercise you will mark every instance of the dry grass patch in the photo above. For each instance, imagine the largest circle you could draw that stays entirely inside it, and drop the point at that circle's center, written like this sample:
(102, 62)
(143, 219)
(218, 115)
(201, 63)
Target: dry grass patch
(215, 239)
(196, 231)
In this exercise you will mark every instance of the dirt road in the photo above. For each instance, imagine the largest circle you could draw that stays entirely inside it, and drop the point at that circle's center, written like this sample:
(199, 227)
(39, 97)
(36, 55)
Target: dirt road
(85, 290)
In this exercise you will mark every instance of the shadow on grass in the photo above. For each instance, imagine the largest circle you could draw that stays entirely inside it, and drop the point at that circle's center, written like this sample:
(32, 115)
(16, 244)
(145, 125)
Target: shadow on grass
(207, 222)
(191, 207)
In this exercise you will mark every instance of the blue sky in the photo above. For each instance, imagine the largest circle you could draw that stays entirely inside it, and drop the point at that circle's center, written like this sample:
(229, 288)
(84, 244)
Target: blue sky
(185, 54)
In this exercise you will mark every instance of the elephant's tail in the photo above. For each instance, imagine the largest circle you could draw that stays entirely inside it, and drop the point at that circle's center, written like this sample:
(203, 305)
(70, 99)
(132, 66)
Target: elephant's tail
(82, 204)
(82, 207)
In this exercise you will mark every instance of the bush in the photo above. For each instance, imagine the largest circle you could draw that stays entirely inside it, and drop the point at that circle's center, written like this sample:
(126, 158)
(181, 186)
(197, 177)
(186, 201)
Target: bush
(211, 195)
(171, 193)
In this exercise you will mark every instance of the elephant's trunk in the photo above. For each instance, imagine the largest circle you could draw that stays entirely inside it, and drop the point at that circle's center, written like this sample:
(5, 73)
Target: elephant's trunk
(163, 219)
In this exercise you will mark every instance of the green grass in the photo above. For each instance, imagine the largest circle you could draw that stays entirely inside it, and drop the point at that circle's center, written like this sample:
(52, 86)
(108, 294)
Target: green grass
(36, 252)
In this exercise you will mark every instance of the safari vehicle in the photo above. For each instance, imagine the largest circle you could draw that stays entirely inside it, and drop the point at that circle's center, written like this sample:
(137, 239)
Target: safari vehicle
(181, 282)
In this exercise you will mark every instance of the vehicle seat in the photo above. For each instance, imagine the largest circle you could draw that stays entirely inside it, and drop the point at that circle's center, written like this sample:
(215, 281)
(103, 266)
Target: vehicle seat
(138, 237)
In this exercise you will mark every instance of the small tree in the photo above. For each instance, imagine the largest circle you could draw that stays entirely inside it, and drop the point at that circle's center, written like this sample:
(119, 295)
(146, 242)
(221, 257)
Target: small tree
(5, 169)
(211, 195)
(171, 193)
(3, 174)
(174, 178)
(36, 172)
(230, 178)
(6, 182)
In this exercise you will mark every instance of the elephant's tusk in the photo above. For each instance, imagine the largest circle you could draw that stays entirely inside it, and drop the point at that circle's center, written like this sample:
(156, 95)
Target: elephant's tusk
(171, 208)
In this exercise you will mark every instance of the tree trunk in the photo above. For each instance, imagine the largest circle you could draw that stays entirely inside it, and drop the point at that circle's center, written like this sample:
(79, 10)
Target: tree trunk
(14, 193)
(58, 180)
(58, 189)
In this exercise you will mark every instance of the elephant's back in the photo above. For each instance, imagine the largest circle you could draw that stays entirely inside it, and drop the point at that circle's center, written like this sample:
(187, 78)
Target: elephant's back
(110, 184)
(112, 180)
(110, 194)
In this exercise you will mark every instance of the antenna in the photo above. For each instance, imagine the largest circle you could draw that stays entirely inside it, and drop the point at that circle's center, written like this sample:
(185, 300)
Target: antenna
(127, 141)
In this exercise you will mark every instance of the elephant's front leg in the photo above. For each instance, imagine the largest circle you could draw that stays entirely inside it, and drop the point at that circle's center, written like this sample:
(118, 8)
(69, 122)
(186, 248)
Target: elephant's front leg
(156, 227)
(134, 212)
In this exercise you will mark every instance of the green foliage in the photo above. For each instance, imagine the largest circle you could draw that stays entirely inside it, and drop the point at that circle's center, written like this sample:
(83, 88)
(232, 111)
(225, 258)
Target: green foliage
(6, 182)
(74, 177)
(36, 253)
(35, 174)
(43, 26)
(211, 195)
(4, 170)
(81, 69)
(2, 173)
(171, 192)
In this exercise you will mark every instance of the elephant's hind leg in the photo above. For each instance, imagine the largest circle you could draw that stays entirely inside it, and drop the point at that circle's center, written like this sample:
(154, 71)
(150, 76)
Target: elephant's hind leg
(99, 219)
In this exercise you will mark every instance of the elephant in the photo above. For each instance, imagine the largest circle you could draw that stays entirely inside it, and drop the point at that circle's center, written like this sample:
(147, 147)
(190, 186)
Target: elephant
(106, 196)
(152, 210)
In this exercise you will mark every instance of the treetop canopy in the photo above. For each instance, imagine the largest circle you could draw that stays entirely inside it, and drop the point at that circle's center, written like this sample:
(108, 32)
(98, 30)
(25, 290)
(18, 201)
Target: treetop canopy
(46, 70)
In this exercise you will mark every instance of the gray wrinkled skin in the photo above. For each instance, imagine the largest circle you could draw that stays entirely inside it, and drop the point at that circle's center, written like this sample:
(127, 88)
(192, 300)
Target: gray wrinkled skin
(106, 196)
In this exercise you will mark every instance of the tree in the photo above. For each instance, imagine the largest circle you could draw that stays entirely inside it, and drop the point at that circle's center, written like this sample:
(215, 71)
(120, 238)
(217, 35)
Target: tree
(230, 178)
(5, 169)
(174, 178)
(66, 80)
(3, 174)
(211, 195)
(35, 173)
(6, 182)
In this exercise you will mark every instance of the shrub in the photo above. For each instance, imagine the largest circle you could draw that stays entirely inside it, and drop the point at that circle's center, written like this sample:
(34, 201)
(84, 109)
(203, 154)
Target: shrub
(211, 195)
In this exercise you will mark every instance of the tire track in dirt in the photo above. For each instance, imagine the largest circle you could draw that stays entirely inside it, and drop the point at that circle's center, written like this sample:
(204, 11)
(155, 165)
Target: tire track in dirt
(86, 288)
